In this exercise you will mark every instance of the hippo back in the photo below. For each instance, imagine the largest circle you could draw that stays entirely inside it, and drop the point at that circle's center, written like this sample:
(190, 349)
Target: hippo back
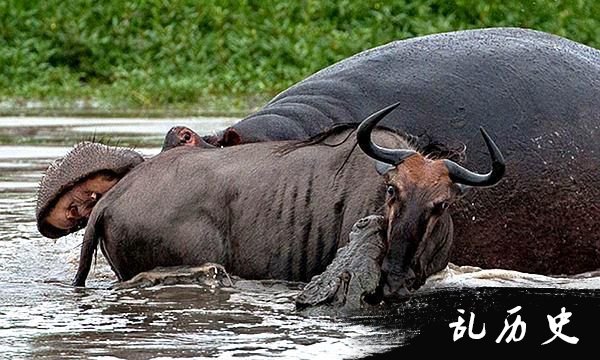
(536, 94)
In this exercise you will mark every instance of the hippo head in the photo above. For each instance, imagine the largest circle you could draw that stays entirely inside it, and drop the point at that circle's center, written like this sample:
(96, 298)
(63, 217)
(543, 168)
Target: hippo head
(183, 136)
(419, 192)
(72, 185)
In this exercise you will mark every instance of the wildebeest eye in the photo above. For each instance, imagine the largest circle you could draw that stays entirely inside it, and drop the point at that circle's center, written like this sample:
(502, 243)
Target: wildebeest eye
(440, 206)
(390, 191)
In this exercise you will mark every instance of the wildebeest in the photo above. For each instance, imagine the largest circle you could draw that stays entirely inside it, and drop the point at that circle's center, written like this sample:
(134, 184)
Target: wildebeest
(267, 213)
(536, 93)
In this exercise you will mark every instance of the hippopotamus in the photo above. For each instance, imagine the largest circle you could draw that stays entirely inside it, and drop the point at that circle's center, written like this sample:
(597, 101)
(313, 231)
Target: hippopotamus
(448, 83)
(535, 93)
(71, 186)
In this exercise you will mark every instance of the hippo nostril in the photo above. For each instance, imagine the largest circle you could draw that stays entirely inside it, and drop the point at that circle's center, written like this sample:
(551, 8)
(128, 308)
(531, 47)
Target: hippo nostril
(73, 213)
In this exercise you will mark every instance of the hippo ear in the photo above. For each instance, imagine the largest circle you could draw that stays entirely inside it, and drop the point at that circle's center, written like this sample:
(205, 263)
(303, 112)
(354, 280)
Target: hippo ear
(382, 167)
(231, 137)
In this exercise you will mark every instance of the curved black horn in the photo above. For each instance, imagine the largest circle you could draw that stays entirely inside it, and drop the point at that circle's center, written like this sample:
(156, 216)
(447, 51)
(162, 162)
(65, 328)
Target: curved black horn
(363, 137)
(460, 175)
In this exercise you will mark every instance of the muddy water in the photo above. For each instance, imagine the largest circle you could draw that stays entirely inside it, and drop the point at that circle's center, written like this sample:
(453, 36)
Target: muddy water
(42, 316)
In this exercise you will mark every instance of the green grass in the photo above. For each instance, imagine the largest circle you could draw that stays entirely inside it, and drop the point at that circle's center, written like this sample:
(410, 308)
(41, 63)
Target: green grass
(190, 56)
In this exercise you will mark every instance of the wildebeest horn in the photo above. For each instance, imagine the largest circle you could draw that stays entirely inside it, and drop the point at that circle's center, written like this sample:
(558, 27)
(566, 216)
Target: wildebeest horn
(363, 136)
(460, 175)
(457, 173)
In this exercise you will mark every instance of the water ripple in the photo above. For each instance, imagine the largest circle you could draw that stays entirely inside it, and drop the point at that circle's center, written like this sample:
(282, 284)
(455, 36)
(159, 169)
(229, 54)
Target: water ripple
(42, 316)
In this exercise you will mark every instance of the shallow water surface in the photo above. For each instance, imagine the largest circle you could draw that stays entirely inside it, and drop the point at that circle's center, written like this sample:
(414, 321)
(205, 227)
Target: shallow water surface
(42, 316)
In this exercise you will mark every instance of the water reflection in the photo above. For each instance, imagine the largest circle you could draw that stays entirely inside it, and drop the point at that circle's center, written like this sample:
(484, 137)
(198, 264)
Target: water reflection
(67, 131)
(42, 316)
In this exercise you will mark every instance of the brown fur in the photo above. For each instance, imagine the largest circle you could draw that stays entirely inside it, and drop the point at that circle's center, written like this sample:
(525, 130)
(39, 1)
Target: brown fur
(419, 228)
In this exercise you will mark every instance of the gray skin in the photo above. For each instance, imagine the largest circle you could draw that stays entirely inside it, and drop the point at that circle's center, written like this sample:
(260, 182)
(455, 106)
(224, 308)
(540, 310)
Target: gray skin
(278, 210)
(88, 159)
(536, 93)
(261, 213)
(84, 161)
(350, 283)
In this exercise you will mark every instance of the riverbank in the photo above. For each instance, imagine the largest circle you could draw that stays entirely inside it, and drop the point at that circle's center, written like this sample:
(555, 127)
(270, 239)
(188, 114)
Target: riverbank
(209, 106)
(197, 58)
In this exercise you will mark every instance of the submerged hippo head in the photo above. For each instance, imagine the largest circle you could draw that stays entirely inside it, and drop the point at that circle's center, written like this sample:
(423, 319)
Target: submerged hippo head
(419, 191)
(183, 136)
(228, 137)
(72, 185)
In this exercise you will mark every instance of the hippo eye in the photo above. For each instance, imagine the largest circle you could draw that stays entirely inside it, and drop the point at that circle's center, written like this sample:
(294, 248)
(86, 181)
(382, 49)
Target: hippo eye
(390, 191)
(187, 136)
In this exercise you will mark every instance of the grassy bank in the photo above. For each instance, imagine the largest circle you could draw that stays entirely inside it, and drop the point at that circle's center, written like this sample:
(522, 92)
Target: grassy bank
(188, 56)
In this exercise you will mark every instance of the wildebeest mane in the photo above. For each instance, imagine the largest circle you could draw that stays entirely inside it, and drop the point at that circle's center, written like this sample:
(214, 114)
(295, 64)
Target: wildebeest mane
(422, 143)
(319, 138)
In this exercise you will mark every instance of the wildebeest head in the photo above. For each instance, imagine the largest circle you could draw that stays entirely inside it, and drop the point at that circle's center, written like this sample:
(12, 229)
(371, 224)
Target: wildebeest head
(419, 191)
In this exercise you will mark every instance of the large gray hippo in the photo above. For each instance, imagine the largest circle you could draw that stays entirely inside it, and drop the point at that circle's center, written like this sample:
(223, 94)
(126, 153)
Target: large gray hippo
(537, 95)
